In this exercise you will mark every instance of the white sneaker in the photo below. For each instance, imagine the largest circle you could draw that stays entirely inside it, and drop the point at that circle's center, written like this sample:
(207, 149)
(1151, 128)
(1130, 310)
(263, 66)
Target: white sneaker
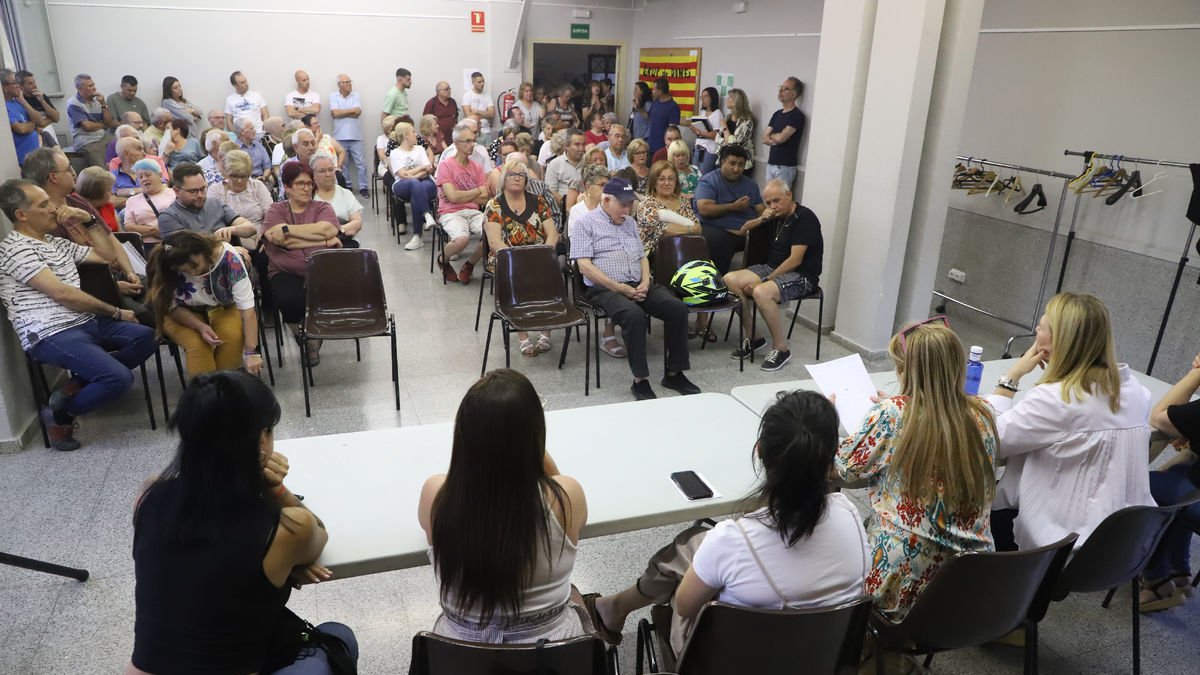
(414, 243)
(429, 221)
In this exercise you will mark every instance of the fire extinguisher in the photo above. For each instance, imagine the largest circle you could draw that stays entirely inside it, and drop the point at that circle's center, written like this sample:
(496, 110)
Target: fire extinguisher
(504, 103)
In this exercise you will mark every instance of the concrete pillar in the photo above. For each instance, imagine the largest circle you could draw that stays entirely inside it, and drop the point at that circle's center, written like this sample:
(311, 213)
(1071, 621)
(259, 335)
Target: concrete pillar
(947, 107)
(891, 144)
(845, 51)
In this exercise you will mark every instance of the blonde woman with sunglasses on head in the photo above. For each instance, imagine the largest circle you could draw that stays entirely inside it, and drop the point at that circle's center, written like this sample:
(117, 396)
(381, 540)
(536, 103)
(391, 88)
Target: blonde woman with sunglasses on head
(928, 456)
(1077, 442)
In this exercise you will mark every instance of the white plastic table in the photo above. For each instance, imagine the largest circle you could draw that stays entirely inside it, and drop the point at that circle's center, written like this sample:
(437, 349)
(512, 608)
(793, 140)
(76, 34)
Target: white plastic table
(757, 397)
(366, 485)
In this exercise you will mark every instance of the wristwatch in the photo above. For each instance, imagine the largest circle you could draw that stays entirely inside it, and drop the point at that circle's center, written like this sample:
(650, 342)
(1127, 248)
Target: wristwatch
(1006, 382)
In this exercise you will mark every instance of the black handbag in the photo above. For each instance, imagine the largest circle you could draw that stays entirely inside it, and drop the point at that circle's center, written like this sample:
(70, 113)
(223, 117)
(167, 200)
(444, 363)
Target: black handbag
(292, 634)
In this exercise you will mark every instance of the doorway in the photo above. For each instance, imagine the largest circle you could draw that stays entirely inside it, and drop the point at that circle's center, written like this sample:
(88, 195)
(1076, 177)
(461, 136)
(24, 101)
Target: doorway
(577, 63)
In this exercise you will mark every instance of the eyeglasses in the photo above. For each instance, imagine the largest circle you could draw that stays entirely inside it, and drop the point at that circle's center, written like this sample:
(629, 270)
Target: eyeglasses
(518, 175)
(237, 177)
(302, 184)
(194, 191)
(904, 332)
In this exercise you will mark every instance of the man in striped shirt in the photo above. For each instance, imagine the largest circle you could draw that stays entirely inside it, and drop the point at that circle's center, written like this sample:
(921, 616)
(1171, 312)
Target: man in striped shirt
(57, 322)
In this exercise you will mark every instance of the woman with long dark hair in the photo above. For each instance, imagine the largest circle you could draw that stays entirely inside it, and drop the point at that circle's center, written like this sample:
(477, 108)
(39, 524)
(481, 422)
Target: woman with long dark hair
(639, 116)
(219, 542)
(705, 155)
(502, 523)
(805, 548)
(181, 109)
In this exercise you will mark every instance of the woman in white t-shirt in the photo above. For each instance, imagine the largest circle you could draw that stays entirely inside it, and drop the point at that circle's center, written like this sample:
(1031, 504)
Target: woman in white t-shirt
(806, 548)
(532, 109)
(705, 155)
(343, 201)
(410, 166)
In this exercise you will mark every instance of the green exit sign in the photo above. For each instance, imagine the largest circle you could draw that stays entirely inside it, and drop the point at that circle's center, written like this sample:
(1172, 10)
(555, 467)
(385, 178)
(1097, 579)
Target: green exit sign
(581, 31)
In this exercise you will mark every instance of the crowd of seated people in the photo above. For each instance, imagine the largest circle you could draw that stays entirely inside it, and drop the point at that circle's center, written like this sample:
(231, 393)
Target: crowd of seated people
(201, 200)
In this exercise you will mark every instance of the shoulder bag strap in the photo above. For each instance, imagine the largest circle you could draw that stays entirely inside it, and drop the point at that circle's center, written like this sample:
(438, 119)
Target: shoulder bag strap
(766, 575)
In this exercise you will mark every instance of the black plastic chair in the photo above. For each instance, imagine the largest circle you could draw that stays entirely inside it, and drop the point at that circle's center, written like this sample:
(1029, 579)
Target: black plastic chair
(674, 252)
(732, 639)
(96, 280)
(975, 598)
(583, 655)
(486, 277)
(1115, 553)
(345, 300)
(531, 295)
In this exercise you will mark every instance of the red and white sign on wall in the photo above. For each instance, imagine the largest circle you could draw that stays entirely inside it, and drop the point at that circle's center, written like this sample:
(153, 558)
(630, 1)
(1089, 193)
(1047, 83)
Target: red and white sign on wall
(477, 22)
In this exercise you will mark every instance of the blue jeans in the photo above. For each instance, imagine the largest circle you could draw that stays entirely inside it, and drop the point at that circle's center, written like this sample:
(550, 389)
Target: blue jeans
(704, 160)
(787, 174)
(355, 150)
(1173, 553)
(312, 661)
(85, 351)
(419, 193)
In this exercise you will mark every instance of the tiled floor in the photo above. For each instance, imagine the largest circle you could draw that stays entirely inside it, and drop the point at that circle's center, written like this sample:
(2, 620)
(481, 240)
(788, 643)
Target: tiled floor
(75, 508)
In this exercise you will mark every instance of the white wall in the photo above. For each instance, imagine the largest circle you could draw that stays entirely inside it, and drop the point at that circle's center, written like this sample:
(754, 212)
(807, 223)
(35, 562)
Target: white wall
(1034, 94)
(759, 47)
(269, 39)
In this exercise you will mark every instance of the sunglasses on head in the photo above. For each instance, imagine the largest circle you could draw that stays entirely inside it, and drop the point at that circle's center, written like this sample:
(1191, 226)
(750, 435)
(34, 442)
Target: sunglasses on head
(904, 332)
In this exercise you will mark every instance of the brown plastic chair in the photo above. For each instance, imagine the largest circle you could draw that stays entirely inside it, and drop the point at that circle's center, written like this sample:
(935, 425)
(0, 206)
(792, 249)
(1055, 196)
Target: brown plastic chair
(582, 655)
(757, 247)
(531, 295)
(975, 598)
(732, 639)
(1115, 553)
(674, 252)
(345, 301)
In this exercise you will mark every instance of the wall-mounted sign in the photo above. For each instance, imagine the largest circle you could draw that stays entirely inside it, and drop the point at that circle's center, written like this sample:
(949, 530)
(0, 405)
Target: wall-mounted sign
(581, 31)
(478, 22)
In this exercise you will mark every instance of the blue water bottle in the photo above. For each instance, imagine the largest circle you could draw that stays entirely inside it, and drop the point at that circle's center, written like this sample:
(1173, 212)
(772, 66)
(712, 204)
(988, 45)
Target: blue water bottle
(974, 371)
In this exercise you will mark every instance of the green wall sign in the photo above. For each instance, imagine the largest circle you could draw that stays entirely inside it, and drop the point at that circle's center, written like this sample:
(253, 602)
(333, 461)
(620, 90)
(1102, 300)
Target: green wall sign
(581, 31)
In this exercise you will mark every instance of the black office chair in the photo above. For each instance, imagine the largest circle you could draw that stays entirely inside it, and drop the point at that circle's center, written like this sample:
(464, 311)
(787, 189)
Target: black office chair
(584, 655)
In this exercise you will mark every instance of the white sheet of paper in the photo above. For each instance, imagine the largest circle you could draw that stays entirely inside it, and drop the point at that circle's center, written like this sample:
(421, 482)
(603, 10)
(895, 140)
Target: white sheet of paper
(136, 262)
(847, 378)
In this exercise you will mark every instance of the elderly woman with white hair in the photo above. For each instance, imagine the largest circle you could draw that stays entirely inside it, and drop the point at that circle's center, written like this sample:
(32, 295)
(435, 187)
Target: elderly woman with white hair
(412, 173)
(160, 124)
(142, 209)
(345, 205)
(248, 197)
(213, 138)
(516, 217)
(95, 185)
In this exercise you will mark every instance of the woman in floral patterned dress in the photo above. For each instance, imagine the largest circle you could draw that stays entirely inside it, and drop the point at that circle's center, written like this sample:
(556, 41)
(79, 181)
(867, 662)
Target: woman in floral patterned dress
(204, 301)
(517, 217)
(928, 457)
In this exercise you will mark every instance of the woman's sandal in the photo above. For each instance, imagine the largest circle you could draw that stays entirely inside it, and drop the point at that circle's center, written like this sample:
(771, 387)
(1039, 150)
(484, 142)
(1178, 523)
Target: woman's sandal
(543, 343)
(1156, 596)
(1183, 584)
(589, 602)
(611, 346)
(314, 355)
(710, 335)
(528, 348)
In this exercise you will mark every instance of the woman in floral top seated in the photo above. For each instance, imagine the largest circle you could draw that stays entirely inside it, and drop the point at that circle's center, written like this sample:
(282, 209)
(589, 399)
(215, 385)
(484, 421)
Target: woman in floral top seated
(516, 217)
(204, 302)
(664, 212)
(928, 456)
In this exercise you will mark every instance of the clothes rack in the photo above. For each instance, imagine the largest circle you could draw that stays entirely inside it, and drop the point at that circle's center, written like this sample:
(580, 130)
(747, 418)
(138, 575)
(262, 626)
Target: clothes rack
(1183, 258)
(1037, 310)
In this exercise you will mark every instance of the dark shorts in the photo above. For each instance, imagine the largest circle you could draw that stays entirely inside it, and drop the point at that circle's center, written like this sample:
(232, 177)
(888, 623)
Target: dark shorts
(791, 285)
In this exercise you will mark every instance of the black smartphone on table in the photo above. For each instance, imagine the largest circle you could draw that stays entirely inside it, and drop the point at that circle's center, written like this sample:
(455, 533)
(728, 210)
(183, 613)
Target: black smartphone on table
(692, 485)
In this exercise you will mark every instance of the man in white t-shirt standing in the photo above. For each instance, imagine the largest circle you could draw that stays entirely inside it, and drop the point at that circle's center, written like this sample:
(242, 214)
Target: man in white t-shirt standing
(244, 104)
(478, 105)
(302, 100)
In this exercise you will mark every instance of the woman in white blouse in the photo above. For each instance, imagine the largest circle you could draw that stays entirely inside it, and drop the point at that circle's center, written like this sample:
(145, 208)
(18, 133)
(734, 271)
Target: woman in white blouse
(248, 197)
(1077, 442)
(343, 201)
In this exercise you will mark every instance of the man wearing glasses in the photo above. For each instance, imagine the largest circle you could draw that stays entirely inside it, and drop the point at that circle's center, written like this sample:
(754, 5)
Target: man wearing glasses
(254, 147)
(462, 192)
(23, 119)
(792, 270)
(193, 210)
(783, 134)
